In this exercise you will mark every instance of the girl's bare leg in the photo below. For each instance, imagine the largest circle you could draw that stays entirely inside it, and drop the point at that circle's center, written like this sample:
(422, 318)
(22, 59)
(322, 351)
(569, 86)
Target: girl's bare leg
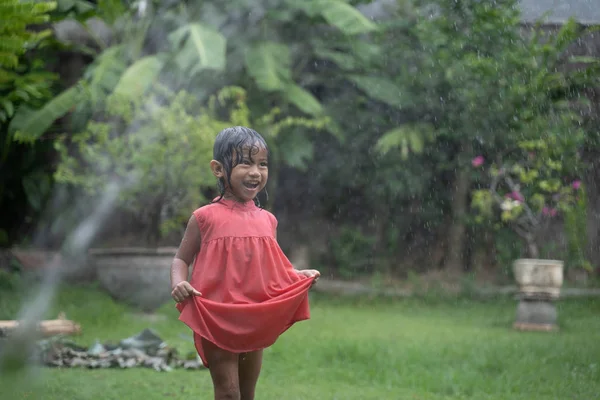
(249, 370)
(223, 367)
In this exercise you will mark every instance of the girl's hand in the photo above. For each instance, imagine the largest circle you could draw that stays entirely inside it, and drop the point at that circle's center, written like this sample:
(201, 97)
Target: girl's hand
(310, 273)
(183, 290)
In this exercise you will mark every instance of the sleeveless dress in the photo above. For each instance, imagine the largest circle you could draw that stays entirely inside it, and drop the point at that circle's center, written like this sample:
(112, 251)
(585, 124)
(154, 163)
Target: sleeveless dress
(250, 292)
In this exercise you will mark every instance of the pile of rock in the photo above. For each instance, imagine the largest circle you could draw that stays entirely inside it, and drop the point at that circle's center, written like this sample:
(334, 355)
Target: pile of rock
(144, 350)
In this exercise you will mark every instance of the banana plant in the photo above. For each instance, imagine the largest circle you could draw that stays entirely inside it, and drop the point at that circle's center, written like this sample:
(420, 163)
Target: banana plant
(124, 68)
(201, 45)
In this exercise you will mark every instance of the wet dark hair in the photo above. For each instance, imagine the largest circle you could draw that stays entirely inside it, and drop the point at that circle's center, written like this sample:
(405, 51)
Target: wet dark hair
(235, 139)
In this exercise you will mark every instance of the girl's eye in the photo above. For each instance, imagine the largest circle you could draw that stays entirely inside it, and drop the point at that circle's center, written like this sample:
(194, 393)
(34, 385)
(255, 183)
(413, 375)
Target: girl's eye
(246, 162)
(264, 164)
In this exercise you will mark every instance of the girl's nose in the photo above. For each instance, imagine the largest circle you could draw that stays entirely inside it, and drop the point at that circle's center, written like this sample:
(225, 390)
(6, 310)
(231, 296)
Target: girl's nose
(254, 171)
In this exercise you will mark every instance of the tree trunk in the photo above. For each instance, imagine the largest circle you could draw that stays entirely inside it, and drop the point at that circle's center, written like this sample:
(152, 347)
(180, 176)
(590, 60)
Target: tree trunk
(532, 248)
(457, 232)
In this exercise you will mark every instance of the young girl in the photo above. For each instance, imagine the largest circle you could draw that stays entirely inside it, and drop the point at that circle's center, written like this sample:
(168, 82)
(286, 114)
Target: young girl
(243, 292)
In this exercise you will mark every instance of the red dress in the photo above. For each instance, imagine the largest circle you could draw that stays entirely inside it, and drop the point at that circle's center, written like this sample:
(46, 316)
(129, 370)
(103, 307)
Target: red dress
(250, 292)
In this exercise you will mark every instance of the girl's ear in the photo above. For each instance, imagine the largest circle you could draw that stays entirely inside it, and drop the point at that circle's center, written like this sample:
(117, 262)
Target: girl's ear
(217, 169)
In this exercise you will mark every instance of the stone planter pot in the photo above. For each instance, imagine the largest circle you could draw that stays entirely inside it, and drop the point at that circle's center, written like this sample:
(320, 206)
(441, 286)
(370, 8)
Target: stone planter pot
(38, 262)
(535, 276)
(137, 276)
(539, 283)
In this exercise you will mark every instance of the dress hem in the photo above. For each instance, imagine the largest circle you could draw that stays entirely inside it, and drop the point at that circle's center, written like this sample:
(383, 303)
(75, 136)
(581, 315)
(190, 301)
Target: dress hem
(198, 341)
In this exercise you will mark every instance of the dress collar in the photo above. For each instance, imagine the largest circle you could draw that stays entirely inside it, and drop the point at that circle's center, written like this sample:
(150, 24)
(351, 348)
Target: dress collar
(245, 206)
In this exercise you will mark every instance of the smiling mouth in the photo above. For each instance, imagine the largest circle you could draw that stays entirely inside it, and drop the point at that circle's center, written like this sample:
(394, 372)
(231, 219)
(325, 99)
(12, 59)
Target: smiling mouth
(251, 185)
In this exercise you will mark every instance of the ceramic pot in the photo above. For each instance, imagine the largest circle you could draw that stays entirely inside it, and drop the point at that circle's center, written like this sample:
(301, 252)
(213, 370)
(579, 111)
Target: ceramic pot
(536, 277)
(137, 276)
(37, 263)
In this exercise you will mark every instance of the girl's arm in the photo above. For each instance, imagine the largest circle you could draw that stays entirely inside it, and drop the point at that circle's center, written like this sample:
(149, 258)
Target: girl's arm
(189, 247)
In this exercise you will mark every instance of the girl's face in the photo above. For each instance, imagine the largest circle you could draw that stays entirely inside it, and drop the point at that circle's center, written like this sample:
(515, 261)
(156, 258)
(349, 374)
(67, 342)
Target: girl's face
(248, 177)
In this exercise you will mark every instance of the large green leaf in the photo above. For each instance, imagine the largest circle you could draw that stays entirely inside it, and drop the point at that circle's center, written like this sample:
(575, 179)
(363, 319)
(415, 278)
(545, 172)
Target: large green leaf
(7, 109)
(28, 125)
(104, 74)
(138, 77)
(337, 13)
(346, 18)
(269, 64)
(302, 99)
(366, 51)
(299, 150)
(381, 89)
(198, 47)
(407, 138)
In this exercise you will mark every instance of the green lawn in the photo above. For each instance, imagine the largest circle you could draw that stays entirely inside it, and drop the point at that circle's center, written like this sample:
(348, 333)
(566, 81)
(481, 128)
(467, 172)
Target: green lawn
(359, 349)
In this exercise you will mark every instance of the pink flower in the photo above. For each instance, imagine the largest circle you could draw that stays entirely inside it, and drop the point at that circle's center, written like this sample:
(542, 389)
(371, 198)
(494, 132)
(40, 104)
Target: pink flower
(546, 211)
(478, 161)
(576, 184)
(516, 196)
(553, 212)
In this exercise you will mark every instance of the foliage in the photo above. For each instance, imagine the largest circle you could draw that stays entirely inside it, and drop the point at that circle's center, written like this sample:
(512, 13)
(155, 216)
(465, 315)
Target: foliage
(184, 46)
(431, 92)
(508, 247)
(122, 69)
(546, 132)
(440, 86)
(24, 84)
(576, 233)
(21, 83)
(155, 149)
(10, 273)
(467, 72)
(482, 83)
(530, 188)
(194, 50)
(352, 252)
(470, 80)
(407, 138)
(451, 61)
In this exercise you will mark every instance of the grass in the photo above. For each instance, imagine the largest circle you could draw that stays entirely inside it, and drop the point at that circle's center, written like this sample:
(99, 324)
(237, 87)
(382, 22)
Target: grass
(426, 349)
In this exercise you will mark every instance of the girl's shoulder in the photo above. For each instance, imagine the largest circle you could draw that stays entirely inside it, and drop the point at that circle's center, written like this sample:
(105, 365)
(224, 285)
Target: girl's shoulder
(204, 212)
(271, 217)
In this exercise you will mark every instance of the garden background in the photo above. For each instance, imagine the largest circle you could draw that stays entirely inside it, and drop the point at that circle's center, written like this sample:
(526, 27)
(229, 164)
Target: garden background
(390, 124)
